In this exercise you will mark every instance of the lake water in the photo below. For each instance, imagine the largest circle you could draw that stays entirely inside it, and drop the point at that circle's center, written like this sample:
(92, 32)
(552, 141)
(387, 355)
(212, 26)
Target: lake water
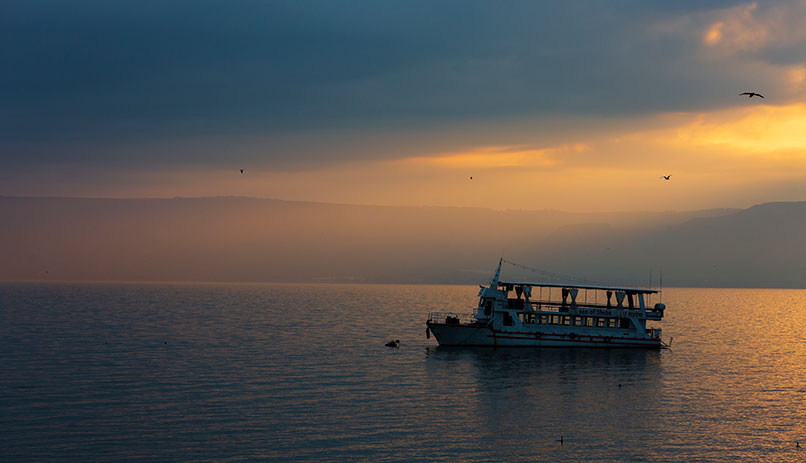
(300, 373)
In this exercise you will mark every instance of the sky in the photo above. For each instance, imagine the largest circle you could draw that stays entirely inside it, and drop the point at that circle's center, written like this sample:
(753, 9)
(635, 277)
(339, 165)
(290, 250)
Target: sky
(577, 106)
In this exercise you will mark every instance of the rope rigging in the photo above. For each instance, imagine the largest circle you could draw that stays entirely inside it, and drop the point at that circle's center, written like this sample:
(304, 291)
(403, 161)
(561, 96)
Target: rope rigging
(559, 276)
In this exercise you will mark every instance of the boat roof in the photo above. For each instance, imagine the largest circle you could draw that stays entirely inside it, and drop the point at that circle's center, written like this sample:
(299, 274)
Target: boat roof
(578, 286)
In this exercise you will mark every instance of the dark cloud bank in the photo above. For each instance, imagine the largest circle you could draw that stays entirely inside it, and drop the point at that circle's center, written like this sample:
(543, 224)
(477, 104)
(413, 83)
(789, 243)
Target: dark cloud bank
(241, 239)
(83, 79)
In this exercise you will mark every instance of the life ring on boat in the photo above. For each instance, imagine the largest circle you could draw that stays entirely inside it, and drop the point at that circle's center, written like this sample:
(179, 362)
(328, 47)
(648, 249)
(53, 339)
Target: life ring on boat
(537, 335)
(571, 336)
(607, 339)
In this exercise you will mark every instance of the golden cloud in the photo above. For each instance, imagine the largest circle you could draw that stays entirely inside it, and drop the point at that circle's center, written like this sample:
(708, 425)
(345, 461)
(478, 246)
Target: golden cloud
(714, 33)
(748, 27)
(760, 129)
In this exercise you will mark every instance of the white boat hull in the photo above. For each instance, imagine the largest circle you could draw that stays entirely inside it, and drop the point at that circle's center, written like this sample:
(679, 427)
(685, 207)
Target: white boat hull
(480, 335)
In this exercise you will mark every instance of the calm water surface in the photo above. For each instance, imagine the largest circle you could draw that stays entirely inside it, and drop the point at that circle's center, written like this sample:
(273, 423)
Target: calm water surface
(300, 373)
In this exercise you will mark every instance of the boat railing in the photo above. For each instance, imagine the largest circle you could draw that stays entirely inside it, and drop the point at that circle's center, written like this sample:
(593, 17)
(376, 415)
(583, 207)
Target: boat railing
(553, 306)
(654, 333)
(451, 318)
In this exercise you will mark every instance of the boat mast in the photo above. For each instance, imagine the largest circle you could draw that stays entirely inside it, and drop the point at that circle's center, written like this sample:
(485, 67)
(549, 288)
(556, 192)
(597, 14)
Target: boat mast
(494, 282)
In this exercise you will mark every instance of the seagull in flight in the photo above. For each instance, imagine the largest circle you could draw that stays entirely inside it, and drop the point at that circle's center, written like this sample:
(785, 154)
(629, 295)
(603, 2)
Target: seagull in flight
(751, 94)
(666, 177)
(241, 170)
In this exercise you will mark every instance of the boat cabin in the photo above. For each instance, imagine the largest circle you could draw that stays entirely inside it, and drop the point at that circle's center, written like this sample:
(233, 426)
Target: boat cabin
(512, 303)
(538, 314)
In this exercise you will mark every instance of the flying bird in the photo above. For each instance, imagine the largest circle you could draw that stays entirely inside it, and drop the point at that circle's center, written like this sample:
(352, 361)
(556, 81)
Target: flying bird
(394, 343)
(751, 94)
(241, 170)
(471, 178)
(666, 177)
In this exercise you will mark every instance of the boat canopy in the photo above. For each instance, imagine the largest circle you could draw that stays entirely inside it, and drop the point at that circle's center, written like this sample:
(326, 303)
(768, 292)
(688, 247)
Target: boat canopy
(578, 286)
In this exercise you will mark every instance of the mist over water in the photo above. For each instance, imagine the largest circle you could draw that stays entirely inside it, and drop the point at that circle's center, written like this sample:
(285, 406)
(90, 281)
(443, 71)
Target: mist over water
(300, 373)
(261, 240)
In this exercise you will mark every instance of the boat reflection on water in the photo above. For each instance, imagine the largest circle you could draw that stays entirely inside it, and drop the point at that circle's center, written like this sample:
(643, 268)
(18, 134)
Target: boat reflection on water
(562, 366)
(535, 396)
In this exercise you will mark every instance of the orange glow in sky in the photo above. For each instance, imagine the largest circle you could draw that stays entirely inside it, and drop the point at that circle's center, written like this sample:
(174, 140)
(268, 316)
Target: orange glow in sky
(710, 156)
(713, 157)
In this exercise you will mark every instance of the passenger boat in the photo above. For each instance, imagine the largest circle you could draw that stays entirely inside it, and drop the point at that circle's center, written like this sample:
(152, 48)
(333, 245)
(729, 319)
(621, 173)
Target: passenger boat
(552, 315)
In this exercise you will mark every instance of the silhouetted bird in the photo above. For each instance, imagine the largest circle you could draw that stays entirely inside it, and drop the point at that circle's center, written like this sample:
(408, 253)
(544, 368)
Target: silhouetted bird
(667, 177)
(560, 440)
(241, 170)
(471, 178)
(797, 444)
(751, 94)
(394, 343)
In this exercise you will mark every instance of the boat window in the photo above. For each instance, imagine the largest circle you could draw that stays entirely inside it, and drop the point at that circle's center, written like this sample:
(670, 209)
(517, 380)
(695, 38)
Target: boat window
(528, 318)
(565, 320)
(516, 304)
(554, 319)
(543, 319)
(488, 307)
(625, 323)
(601, 322)
(612, 323)
(507, 319)
(579, 321)
(536, 306)
(590, 321)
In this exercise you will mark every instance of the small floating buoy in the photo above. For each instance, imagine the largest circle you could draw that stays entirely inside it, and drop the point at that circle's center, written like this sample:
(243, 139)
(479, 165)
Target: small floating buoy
(394, 343)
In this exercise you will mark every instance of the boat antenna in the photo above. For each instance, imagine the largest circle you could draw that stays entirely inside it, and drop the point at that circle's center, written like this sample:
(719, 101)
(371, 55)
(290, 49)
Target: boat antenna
(660, 295)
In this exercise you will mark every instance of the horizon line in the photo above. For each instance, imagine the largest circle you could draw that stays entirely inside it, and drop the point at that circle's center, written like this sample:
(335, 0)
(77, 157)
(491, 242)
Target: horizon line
(321, 282)
(395, 206)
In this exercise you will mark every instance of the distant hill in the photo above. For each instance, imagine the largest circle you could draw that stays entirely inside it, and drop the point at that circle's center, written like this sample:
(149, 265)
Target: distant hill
(761, 246)
(247, 239)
